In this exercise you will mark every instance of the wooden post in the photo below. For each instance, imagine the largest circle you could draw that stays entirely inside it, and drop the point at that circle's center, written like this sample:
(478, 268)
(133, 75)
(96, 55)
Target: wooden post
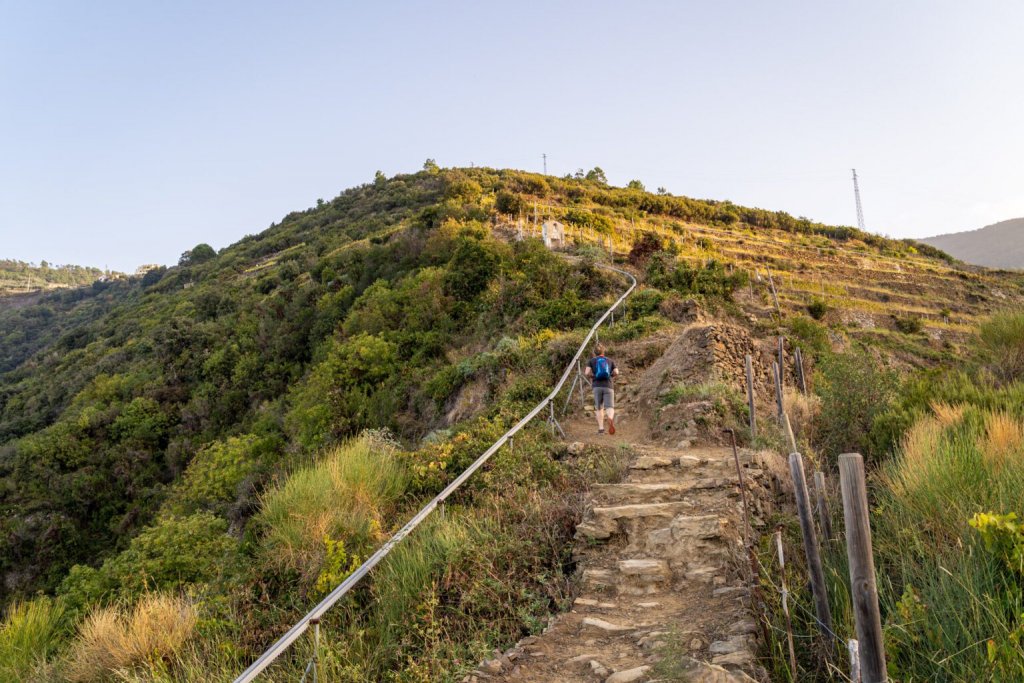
(750, 396)
(824, 514)
(785, 604)
(782, 363)
(788, 429)
(811, 550)
(851, 646)
(798, 358)
(775, 295)
(778, 390)
(862, 568)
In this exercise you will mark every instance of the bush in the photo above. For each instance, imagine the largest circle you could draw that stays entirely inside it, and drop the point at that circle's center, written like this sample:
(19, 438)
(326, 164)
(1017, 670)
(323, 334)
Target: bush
(908, 324)
(217, 473)
(710, 280)
(809, 335)
(346, 496)
(645, 301)
(817, 309)
(854, 390)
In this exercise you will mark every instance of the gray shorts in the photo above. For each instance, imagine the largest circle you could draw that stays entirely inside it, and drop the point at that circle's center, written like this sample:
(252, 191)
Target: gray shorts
(604, 397)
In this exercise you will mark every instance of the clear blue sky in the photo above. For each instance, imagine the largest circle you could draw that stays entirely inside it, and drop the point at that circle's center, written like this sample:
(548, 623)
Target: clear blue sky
(130, 131)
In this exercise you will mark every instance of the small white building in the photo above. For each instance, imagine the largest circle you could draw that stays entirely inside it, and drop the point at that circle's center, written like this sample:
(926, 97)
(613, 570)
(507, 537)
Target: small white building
(553, 234)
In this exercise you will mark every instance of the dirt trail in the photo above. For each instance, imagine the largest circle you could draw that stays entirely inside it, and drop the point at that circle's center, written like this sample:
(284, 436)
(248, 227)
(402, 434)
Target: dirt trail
(661, 568)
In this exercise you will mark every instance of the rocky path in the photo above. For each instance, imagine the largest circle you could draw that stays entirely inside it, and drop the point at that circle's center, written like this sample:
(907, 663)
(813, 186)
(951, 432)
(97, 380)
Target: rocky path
(661, 565)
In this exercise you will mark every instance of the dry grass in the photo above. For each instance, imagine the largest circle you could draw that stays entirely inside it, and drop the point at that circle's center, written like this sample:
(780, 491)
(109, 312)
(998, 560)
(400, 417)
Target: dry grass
(920, 444)
(802, 409)
(947, 414)
(114, 639)
(1002, 444)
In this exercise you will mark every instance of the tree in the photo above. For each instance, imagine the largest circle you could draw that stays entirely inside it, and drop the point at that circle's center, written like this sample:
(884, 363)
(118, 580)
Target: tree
(597, 175)
(430, 166)
(662, 191)
(379, 178)
(197, 254)
(636, 185)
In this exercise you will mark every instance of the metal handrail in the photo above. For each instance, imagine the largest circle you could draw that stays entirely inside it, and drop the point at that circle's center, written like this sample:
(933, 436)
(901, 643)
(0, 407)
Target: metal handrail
(314, 615)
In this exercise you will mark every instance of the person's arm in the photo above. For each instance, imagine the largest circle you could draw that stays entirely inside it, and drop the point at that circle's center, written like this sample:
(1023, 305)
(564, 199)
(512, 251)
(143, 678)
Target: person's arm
(586, 371)
(615, 369)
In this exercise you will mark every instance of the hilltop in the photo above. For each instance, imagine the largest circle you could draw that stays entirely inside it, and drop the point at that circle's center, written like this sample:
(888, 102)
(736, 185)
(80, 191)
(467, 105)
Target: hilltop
(1000, 245)
(194, 428)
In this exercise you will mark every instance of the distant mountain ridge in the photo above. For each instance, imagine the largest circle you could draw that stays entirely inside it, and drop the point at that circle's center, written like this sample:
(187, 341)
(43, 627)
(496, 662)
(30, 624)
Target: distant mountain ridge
(1000, 245)
(21, 277)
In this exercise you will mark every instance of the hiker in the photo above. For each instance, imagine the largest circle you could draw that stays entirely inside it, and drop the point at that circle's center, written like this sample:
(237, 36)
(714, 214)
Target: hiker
(601, 370)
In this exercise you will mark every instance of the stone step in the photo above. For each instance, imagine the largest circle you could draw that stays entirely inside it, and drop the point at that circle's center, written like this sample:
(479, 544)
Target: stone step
(604, 522)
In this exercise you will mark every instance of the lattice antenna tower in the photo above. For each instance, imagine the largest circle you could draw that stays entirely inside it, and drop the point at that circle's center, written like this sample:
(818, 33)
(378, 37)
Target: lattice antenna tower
(856, 196)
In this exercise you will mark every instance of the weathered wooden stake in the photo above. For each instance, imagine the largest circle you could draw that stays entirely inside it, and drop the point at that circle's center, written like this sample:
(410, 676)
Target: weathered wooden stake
(824, 513)
(778, 390)
(788, 429)
(782, 363)
(775, 295)
(854, 650)
(748, 363)
(863, 590)
(798, 358)
(811, 549)
(785, 605)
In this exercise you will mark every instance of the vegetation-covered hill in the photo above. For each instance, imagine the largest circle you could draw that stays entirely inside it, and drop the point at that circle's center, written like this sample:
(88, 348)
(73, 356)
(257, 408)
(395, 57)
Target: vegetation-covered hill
(1000, 245)
(20, 277)
(197, 430)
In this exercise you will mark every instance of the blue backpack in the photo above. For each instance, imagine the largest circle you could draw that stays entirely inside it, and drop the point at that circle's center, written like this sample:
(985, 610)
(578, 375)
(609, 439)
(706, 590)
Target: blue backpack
(602, 369)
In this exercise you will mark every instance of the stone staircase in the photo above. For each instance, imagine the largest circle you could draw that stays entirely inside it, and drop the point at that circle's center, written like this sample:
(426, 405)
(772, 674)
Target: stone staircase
(661, 577)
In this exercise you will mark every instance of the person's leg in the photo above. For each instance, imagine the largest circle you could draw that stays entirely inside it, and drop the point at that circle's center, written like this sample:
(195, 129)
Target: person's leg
(599, 409)
(609, 403)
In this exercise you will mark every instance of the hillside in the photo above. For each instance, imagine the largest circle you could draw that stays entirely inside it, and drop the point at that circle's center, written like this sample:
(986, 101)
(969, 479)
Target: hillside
(18, 277)
(1000, 245)
(203, 428)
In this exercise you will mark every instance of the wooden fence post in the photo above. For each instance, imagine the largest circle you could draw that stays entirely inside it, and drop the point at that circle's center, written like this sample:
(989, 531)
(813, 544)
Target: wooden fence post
(811, 549)
(775, 295)
(824, 513)
(785, 604)
(778, 390)
(863, 590)
(798, 358)
(788, 429)
(750, 396)
(782, 362)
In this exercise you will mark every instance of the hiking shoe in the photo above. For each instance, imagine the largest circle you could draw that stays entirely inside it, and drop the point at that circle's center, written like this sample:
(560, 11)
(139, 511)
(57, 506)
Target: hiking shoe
(611, 426)
(600, 431)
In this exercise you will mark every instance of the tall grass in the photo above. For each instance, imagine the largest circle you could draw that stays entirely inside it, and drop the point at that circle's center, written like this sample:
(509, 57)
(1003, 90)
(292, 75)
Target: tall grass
(114, 640)
(346, 496)
(28, 636)
(953, 611)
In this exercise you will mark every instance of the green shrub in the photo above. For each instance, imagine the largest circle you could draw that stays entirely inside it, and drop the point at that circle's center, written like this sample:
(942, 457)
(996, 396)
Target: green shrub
(809, 335)
(817, 308)
(854, 390)
(645, 301)
(908, 324)
(174, 553)
(710, 280)
(216, 473)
